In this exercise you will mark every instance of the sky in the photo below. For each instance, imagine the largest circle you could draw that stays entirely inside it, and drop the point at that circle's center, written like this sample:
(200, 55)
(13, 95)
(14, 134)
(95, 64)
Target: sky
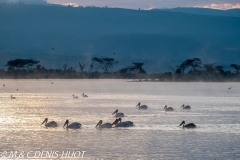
(142, 4)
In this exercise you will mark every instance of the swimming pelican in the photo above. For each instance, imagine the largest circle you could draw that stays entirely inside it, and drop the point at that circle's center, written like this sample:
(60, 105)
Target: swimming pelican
(84, 95)
(230, 87)
(13, 97)
(141, 106)
(49, 124)
(118, 123)
(166, 108)
(185, 107)
(105, 125)
(74, 96)
(118, 114)
(74, 125)
(189, 125)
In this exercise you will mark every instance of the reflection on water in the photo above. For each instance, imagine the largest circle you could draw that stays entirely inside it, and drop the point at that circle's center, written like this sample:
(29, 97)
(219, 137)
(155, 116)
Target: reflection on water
(155, 135)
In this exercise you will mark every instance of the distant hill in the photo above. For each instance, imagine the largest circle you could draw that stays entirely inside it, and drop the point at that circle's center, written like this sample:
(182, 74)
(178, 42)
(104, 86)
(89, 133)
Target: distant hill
(56, 35)
(206, 11)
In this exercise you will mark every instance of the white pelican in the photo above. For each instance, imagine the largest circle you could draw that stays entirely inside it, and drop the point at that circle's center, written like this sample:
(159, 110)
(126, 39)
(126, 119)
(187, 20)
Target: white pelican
(118, 114)
(230, 87)
(74, 96)
(141, 106)
(105, 125)
(74, 125)
(13, 97)
(118, 123)
(185, 107)
(49, 124)
(84, 95)
(189, 125)
(166, 108)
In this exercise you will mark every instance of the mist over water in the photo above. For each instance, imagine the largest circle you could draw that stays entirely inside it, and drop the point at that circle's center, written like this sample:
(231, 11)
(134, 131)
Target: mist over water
(155, 134)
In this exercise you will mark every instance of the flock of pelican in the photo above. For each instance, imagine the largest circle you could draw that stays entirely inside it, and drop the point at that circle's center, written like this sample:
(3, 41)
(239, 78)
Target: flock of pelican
(190, 125)
(76, 125)
(117, 123)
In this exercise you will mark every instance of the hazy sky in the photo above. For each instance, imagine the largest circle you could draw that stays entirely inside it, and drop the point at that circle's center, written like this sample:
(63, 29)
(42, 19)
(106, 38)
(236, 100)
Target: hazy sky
(143, 4)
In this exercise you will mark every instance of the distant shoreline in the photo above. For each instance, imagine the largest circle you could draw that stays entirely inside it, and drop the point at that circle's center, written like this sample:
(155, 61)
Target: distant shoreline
(127, 79)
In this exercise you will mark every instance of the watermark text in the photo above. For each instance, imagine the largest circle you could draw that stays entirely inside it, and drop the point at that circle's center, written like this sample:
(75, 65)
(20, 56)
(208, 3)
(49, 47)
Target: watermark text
(41, 154)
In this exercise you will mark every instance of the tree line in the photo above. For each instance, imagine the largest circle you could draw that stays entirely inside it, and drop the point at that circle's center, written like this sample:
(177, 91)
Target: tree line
(188, 70)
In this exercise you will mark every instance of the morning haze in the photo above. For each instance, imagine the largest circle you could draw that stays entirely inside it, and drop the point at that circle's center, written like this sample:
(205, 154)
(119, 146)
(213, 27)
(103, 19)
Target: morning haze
(56, 35)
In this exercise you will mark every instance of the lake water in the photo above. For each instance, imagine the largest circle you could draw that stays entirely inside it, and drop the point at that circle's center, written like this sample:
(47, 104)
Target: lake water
(155, 134)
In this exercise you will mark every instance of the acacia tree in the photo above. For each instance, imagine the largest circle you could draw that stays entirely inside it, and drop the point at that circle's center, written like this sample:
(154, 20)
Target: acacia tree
(105, 63)
(136, 68)
(18, 64)
(193, 63)
(181, 68)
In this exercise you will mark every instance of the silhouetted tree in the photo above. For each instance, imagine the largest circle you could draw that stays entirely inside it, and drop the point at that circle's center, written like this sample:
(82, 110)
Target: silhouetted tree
(194, 63)
(220, 69)
(21, 64)
(236, 67)
(105, 63)
(181, 68)
(82, 66)
(136, 68)
(209, 68)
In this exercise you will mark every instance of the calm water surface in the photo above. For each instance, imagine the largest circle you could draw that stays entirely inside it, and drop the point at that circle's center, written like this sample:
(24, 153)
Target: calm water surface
(155, 135)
